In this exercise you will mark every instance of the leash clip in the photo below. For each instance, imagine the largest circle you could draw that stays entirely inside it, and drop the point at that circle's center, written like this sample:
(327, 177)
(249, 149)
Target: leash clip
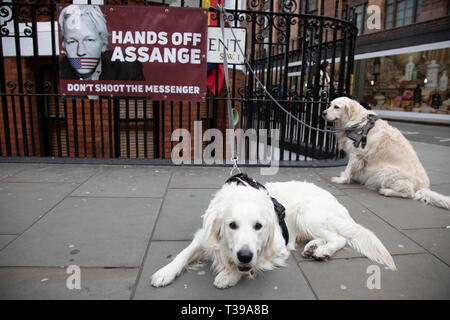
(235, 166)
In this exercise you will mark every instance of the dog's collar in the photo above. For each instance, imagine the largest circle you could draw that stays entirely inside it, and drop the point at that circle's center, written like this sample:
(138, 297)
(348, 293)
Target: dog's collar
(359, 135)
(244, 179)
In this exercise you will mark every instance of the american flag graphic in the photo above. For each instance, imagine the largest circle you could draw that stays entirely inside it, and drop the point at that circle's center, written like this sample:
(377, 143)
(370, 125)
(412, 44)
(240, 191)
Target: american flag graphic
(83, 63)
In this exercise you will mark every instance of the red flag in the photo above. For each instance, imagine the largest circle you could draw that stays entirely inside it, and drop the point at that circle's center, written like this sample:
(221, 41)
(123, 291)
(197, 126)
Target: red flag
(213, 3)
(211, 78)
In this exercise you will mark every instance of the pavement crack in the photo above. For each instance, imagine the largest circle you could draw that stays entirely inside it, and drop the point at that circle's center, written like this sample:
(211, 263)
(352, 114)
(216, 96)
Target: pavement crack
(141, 268)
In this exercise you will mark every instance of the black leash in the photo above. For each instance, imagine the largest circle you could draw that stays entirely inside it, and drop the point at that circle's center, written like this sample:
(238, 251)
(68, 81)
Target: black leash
(245, 180)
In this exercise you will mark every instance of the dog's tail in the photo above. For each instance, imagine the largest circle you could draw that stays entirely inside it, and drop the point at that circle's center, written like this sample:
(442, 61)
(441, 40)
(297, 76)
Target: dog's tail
(431, 197)
(366, 242)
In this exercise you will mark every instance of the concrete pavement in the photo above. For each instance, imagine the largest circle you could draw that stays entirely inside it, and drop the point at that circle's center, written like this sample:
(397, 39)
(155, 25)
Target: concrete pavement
(119, 224)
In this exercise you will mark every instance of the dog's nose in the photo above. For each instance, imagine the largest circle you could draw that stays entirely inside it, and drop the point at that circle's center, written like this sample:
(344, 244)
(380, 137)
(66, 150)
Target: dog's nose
(245, 256)
(324, 113)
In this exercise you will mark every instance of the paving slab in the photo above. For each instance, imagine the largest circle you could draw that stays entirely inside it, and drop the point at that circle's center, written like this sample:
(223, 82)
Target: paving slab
(419, 276)
(5, 239)
(394, 241)
(53, 173)
(283, 283)
(202, 178)
(442, 188)
(22, 204)
(432, 156)
(107, 232)
(51, 284)
(327, 173)
(181, 213)
(437, 241)
(399, 212)
(437, 176)
(126, 181)
(9, 169)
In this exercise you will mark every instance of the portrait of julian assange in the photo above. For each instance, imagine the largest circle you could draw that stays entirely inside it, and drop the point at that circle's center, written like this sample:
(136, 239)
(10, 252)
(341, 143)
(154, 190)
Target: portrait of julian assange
(84, 37)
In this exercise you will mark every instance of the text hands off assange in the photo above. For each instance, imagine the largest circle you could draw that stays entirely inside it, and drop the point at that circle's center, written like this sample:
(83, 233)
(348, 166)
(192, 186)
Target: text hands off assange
(177, 47)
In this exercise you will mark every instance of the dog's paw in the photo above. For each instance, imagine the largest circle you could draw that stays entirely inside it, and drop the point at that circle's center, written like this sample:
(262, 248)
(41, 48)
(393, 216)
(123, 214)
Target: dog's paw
(321, 254)
(340, 180)
(309, 251)
(226, 279)
(321, 258)
(163, 277)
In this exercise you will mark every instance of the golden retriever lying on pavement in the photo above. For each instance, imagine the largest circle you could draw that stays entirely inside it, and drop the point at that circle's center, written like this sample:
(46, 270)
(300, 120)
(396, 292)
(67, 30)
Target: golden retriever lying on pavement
(387, 163)
(241, 233)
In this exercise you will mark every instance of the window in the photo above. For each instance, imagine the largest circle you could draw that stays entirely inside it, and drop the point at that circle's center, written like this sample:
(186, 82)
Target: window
(400, 15)
(312, 5)
(308, 6)
(360, 16)
(402, 12)
(389, 13)
(418, 10)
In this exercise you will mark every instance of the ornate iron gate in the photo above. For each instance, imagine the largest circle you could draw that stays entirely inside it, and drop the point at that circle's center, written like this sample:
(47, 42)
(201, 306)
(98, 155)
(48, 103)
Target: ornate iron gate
(287, 47)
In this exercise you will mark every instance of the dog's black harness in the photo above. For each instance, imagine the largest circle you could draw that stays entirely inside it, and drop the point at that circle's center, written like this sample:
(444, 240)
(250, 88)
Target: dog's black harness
(244, 179)
(359, 135)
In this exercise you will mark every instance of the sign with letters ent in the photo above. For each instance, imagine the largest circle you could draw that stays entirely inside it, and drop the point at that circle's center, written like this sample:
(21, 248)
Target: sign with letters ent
(231, 43)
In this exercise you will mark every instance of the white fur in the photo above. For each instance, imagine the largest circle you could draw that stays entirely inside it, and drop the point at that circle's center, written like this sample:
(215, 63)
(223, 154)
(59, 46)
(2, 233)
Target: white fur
(388, 163)
(312, 214)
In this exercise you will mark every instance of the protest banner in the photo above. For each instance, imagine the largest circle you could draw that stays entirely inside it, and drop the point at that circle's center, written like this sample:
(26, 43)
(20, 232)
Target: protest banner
(153, 52)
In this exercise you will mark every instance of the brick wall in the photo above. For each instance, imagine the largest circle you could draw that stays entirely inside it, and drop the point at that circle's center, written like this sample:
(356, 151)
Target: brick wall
(84, 133)
(21, 111)
(432, 9)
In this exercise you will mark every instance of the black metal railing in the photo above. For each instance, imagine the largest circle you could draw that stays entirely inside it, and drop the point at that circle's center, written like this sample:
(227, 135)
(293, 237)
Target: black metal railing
(286, 48)
(289, 52)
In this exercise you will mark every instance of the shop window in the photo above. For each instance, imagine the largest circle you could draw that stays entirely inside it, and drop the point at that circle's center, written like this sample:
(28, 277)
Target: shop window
(402, 12)
(413, 81)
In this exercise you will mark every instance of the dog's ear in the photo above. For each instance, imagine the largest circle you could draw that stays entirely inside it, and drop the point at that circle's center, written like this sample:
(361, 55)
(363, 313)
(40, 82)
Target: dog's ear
(269, 250)
(353, 110)
(212, 224)
(213, 219)
(215, 232)
(349, 108)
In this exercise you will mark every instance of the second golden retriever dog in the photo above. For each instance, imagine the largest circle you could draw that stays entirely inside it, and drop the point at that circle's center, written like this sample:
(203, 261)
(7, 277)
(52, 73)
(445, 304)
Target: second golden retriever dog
(384, 160)
(242, 233)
